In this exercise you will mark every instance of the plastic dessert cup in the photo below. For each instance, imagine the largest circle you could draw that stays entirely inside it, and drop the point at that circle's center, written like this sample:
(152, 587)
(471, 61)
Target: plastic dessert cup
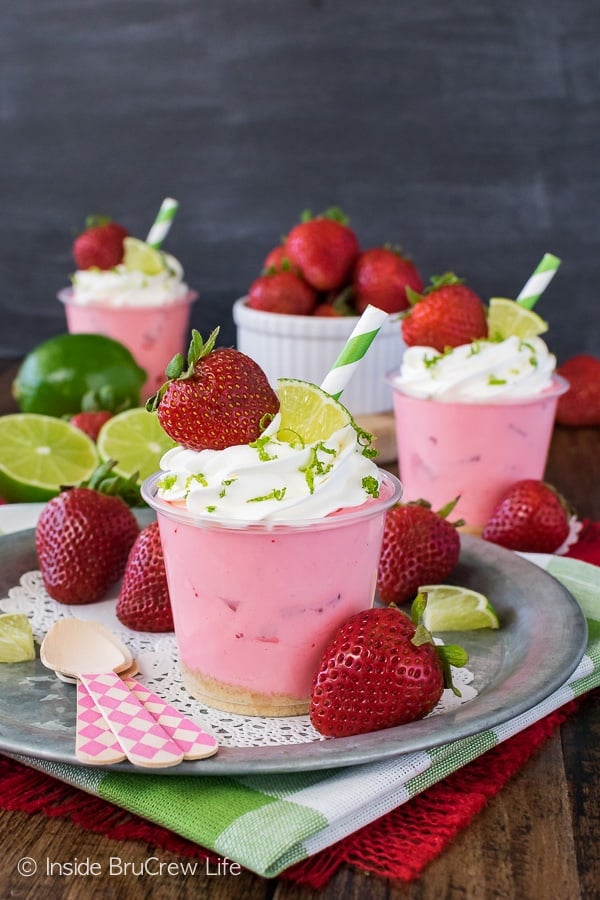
(153, 334)
(255, 605)
(475, 450)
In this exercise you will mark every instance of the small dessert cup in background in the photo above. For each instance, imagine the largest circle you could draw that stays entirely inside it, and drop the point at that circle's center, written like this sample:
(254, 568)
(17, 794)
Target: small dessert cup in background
(303, 347)
(472, 449)
(255, 605)
(153, 334)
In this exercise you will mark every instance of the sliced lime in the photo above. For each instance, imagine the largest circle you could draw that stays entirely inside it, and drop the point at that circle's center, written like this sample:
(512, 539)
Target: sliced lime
(308, 414)
(16, 638)
(507, 318)
(41, 454)
(141, 257)
(451, 608)
(136, 440)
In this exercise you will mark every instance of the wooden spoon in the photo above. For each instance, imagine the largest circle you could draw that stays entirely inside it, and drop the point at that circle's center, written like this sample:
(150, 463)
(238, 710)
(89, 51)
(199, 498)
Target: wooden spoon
(82, 650)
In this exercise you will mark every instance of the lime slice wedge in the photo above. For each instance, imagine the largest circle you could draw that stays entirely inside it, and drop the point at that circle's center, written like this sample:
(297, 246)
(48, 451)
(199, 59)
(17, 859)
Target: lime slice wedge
(506, 318)
(136, 440)
(141, 257)
(16, 638)
(308, 414)
(451, 608)
(39, 455)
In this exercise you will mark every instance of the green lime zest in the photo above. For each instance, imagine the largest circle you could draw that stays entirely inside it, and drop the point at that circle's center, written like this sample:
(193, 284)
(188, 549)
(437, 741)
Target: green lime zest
(370, 485)
(275, 494)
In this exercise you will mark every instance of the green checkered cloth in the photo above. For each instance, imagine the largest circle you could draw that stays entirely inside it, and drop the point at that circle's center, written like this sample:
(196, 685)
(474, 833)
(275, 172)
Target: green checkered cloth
(268, 822)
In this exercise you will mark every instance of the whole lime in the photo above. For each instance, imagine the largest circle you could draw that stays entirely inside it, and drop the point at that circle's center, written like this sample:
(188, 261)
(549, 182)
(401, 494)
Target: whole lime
(56, 376)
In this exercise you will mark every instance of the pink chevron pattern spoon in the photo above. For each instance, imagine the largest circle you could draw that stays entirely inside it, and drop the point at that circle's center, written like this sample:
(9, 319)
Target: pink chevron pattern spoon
(95, 744)
(195, 743)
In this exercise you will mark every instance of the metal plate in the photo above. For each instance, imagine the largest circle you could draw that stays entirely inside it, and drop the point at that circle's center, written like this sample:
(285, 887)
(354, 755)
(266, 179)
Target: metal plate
(541, 641)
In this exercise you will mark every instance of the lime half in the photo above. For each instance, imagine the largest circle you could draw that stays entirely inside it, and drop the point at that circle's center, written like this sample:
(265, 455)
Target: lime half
(308, 414)
(16, 638)
(507, 318)
(136, 440)
(41, 454)
(141, 257)
(451, 608)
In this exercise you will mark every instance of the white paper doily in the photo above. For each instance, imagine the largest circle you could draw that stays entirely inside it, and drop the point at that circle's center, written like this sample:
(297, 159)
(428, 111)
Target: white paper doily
(156, 655)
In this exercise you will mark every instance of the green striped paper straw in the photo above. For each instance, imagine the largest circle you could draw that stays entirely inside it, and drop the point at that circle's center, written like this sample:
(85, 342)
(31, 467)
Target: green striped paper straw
(539, 281)
(162, 223)
(356, 346)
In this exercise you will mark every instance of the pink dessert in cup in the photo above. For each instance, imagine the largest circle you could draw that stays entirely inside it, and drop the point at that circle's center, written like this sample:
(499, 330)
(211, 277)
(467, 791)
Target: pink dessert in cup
(269, 544)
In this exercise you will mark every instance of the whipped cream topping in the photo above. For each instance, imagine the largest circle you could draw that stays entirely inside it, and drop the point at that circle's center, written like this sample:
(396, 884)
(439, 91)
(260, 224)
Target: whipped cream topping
(484, 370)
(270, 480)
(122, 287)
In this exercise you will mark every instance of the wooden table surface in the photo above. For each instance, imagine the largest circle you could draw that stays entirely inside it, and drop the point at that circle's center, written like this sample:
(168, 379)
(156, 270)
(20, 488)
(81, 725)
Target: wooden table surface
(538, 838)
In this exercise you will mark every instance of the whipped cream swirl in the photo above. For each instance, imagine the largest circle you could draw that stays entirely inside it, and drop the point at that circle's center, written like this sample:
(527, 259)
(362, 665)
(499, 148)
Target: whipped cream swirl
(122, 287)
(270, 480)
(483, 370)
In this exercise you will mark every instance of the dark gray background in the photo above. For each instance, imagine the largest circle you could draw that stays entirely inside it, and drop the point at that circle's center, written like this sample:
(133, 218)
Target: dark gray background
(465, 131)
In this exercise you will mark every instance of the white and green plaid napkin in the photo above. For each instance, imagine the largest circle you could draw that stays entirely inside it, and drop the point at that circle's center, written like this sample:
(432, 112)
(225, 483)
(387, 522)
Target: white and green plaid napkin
(268, 822)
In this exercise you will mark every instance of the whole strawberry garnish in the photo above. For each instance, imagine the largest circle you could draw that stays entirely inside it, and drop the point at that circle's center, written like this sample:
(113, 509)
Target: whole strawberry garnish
(378, 671)
(324, 248)
(531, 516)
(83, 538)
(419, 546)
(222, 398)
(282, 292)
(90, 422)
(380, 278)
(100, 246)
(144, 603)
(448, 314)
(580, 406)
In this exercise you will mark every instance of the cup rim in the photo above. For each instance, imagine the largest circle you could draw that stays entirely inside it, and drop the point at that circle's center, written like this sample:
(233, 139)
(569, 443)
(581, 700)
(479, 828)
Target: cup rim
(335, 520)
(557, 387)
(65, 295)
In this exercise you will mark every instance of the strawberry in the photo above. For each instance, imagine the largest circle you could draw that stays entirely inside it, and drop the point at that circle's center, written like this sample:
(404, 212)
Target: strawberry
(324, 248)
(531, 516)
(276, 260)
(580, 406)
(378, 671)
(282, 292)
(100, 246)
(419, 546)
(448, 314)
(83, 538)
(91, 421)
(380, 278)
(144, 603)
(222, 398)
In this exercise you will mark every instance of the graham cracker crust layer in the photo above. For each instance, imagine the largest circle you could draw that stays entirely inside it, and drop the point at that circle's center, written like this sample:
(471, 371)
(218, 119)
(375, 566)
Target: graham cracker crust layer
(230, 698)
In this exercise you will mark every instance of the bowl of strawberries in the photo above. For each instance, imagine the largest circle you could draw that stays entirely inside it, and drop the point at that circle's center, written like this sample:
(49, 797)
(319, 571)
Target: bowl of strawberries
(302, 308)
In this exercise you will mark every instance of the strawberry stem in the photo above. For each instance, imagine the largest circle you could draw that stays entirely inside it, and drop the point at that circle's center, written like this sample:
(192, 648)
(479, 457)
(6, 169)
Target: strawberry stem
(198, 349)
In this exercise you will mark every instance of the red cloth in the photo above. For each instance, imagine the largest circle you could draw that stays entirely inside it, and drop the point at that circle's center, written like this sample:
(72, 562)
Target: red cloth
(587, 547)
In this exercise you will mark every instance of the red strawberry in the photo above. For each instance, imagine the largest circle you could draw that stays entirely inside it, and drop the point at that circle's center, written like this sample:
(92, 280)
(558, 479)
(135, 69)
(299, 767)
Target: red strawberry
(100, 246)
(324, 248)
(380, 278)
(83, 538)
(327, 310)
(90, 422)
(276, 260)
(337, 303)
(377, 672)
(221, 399)
(531, 516)
(419, 546)
(580, 406)
(144, 603)
(282, 292)
(448, 314)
